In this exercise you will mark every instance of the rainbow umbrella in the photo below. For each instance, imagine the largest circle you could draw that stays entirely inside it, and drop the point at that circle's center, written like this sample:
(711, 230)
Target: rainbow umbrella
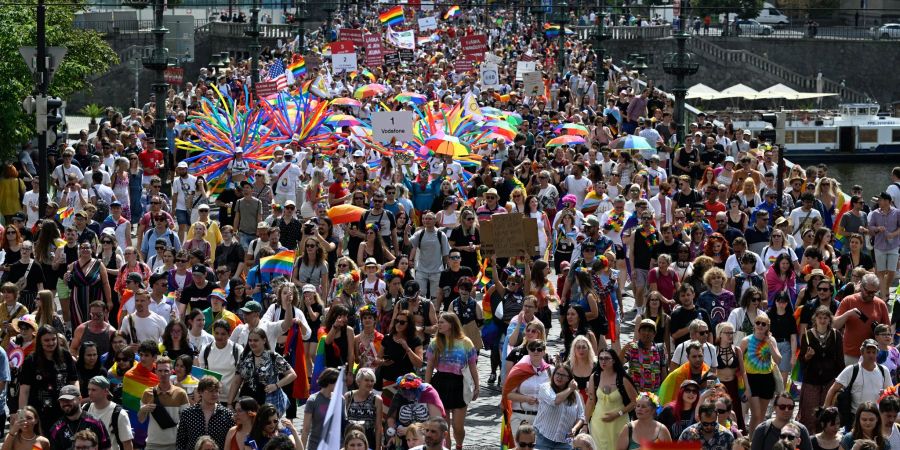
(573, 128)
(369, 90)
(346, 101)
(446, 145)
(345, 213)
(566, 139)
(631, 142)
(407, 97)
(342, 120)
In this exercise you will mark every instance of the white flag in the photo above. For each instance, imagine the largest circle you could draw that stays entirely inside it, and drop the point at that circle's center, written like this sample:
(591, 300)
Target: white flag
(331, 431)
(402, 39)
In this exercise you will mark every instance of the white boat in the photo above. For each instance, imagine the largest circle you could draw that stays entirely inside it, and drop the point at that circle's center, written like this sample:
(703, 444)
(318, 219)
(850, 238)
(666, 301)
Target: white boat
(855, 130)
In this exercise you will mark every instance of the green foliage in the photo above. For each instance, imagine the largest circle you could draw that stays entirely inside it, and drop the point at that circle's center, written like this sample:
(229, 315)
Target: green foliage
(87, 54)
(92, 110)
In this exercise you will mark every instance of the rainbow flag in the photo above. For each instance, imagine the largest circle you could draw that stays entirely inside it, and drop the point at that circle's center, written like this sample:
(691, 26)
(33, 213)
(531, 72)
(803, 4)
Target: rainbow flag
(318, 361)
(672, 383)
(452, 12)
(296, 357)
(392, 17)
(843, 206)
(281, 263)
(137, 380)
(59, 243)
(297, 67)
(66, 212)
(520, 372)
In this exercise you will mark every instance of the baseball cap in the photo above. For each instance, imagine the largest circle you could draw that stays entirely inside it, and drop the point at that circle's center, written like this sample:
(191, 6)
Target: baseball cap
(262, 226)
(411, 288)
(288, 152)
(251, 307)
(182, 165)
(203, 207)
(308, 288)
(371, 262)
(100, 381)
(198, 268)
(290, 203)
(592, 221)
(115, 203)
(868, 343)
(70, 392)
(647, 323)
(218, 294)
(359, 154)
(135, 277)
(239, 150)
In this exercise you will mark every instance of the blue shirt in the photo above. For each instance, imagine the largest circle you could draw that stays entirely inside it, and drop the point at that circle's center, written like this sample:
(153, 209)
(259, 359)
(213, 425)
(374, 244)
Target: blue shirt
(4, 376)
(148, 246)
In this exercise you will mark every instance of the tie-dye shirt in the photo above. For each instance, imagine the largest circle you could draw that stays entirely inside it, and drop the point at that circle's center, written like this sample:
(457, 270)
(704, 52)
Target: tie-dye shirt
(454, 358)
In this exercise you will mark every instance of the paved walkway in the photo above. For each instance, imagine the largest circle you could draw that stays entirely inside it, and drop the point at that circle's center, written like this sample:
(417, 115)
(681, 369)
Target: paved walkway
(483, 416)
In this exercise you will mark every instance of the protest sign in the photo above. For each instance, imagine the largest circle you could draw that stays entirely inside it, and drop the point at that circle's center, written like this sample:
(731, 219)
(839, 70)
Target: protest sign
(392, 124)
(490, 75)
(524, 66)
(534, 83)
(427, 24)
(353, 35)
(474, 46)
(509, 235)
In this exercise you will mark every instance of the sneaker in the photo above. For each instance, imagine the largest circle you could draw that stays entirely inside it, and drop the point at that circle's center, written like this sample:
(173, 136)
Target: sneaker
(493, 378)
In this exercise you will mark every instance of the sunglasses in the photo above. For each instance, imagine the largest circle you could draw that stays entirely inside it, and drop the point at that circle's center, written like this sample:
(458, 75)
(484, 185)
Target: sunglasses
(709, 424)
(538, 350)
(824, 288)
(723, 411)
(526, 444)
(785, 407)
(400, 322)
(455, 257)
(788, 436)
(760, 323)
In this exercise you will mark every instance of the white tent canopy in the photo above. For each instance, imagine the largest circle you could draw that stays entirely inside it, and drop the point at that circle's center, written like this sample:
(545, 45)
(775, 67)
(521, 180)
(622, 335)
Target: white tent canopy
(778, 91)
(701, 91)
(737, 91)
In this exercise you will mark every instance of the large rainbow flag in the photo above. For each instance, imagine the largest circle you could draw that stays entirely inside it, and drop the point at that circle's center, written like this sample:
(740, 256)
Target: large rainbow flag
(137, 380)
(297, 66)
(520, 372)
(452, 12)
(281, 263)
(296, 356)
(392, 17)
(319, 361)
(843, 205)
(672, 383)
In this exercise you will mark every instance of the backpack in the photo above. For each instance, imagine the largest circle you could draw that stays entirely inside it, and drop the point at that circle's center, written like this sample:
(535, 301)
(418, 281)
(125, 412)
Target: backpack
(102, 206)
(234, 354)
(171, 237)
(113, 424)
(845, 395)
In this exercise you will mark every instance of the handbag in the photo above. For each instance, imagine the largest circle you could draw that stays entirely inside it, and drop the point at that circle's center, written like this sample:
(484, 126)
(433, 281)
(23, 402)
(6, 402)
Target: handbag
(22, 282)
(162, 417)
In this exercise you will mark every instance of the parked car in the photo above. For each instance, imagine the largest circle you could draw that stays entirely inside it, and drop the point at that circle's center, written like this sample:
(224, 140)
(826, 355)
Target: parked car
(750, 26)
(886, 31)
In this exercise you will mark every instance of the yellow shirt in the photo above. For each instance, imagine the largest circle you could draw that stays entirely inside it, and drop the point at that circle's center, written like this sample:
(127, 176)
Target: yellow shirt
(213, 236)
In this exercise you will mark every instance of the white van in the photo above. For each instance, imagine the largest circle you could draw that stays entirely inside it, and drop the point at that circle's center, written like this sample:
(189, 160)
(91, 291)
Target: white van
(767, 15)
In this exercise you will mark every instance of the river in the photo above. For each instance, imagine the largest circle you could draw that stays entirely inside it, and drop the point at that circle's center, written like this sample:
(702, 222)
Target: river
(873, 177)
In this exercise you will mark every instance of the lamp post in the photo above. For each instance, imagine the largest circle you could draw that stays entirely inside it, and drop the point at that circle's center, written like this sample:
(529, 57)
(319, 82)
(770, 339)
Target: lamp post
(681, 64)
(299, 16)
(158, 61)
(329, 9)
(253, 33)
(600, 71)
(562, 18)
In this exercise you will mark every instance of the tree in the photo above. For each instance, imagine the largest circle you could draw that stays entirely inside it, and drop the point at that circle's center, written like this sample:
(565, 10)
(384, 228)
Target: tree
(87, 54)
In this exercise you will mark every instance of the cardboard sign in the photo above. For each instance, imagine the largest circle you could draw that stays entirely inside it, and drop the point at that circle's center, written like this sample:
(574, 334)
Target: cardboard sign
(407, 55)
(374, 50)
(353, 35)
(534, 83)
(343, 62)
(427, 24)
(174, 75)
(387, 125)
(509, 235)
(463, 65)
(492, 58)
(313, 62)
(486, 233)
(392, 59)
(266, 88)
(524, 66)
(474, 46)
(490, 75)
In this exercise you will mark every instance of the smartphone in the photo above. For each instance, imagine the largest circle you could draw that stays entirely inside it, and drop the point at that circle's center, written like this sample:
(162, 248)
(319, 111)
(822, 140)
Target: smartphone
(20, 415)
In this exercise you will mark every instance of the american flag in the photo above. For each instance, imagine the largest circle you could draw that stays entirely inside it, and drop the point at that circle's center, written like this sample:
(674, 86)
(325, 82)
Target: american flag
(276, 74)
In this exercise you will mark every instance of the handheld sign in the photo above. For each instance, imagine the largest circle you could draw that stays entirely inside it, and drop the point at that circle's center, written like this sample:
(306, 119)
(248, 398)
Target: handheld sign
(392, 124)
(490, 75)
(534, 83)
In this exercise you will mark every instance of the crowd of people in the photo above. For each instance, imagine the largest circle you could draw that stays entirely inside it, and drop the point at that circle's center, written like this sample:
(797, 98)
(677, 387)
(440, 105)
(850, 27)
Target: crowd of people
(138, 313)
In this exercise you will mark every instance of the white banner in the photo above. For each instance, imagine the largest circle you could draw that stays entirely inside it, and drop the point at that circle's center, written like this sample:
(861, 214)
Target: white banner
(427, 24)
(392, 124)
(343, 62)
(524, 66)
(490, 75)
(402, 39)
(534, 83)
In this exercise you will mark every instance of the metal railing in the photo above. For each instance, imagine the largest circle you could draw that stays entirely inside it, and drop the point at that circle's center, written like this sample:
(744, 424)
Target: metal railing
(127, 25)
(623, 32)
(267, 31)
(797, 31)
(753, 61)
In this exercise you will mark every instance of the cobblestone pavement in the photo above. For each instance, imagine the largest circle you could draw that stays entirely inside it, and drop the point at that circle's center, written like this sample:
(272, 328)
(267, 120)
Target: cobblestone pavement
(483, 416)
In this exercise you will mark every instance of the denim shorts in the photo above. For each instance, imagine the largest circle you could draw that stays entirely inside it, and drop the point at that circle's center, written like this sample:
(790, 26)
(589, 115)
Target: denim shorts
(182, 217)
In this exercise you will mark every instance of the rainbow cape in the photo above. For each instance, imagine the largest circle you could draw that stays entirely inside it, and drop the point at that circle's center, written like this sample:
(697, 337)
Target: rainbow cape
(297, 66)
(296, 356)
(392, 17)
(452, 12)
(843, 206)
(137, 380)
(672, 383)
(520, 372)
(281, 263)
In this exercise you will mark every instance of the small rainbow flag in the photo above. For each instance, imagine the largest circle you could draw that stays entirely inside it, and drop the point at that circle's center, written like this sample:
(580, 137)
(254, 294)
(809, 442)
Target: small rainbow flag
(134, 383)
(365, 72)
(297, 66)
(281, 263)
(392, 17)
(66, 212)
(452, 12)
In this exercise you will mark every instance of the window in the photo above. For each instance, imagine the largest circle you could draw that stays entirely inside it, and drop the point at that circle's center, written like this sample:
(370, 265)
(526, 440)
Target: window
(895, 135)
(789, 136)
(868, 135)
(827, 136)
(806, 136)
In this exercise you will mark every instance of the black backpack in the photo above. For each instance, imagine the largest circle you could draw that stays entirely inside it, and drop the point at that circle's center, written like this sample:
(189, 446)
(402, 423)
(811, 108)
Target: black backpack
(113, 424)
(102, 206)
(234, 354)
(845, 396)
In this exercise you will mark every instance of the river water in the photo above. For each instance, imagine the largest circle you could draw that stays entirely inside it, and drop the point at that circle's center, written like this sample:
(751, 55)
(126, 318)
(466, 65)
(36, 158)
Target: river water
(873, 177)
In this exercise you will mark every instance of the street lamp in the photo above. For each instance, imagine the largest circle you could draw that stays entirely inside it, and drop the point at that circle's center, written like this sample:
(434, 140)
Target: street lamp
(158, 61)
(681, 64)
(300, 17)
(600, 53)
(253, 34)
(328, 8)
(562, 18)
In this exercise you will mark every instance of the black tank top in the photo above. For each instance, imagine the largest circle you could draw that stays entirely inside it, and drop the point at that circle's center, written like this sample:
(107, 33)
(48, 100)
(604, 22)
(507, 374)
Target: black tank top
(733, 362)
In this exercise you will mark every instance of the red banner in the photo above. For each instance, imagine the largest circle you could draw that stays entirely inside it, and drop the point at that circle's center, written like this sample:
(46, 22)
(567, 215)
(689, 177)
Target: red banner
(353, 35)
(374, 50)
(474, 46)
(339, 47)
(266, 88)
(174, 75)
